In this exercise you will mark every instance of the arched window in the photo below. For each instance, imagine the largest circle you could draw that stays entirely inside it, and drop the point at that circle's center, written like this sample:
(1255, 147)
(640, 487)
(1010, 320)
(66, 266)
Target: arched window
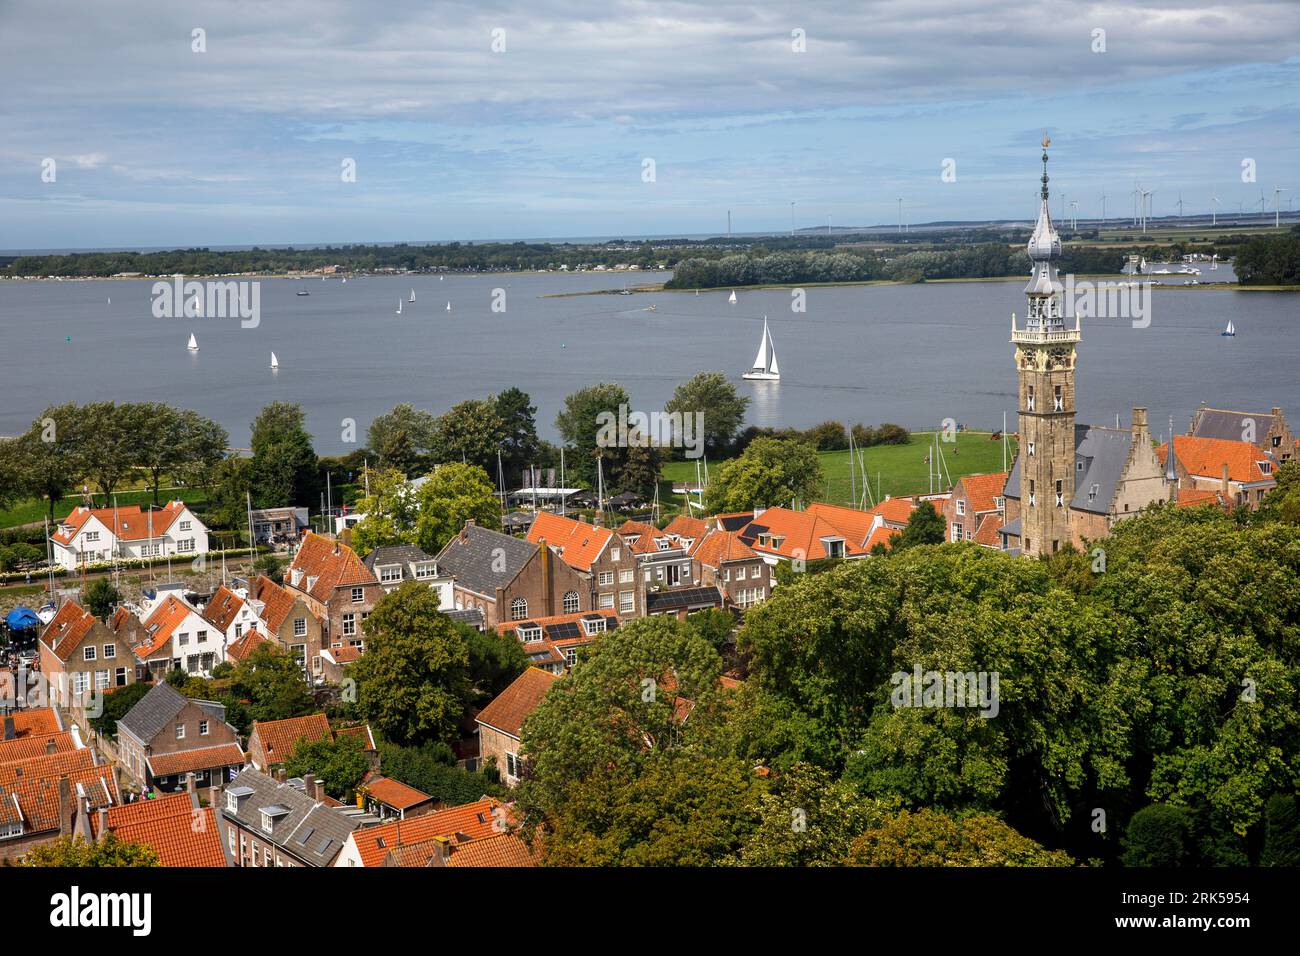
(570, 602)
(518, 609)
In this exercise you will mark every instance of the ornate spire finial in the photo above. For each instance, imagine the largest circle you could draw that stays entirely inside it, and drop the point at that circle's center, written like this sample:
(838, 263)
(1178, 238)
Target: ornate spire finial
(1047, 141)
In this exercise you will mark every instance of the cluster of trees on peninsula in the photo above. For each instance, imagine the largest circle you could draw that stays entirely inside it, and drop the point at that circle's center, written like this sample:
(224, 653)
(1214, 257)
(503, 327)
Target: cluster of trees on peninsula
(1148, 713)
(1272, 260)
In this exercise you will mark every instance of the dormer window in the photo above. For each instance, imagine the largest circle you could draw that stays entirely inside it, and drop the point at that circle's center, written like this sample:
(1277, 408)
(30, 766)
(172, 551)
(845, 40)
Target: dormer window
(529, 633)
(232, 802)
(390, 573)
(663, 544)
(426, 570)
(834, 547)
(1266, 467)
(594, 626)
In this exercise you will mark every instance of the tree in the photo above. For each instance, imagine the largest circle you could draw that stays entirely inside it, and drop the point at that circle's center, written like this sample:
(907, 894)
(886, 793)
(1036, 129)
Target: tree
(117, 705)
(52, 454)
(414, 679)
(769, 473)
(1281, 831)
(579, 424)
(470, 433)
(100, 598)
(273, 684)
(715, 625)
(711, 394)
(930, 838)
(109, 445)
(519, 444)
(232, 486)
(1158, 835)
(434, 772)
(639, 471)
(284, 462)
(403, 438)
(339, 763)
(389, 510)
(454, 494)
(495, 660)
(201, 446)
(924, 526)
(76, 851)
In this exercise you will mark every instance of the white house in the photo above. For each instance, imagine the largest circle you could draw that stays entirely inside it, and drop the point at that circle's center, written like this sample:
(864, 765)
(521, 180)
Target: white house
(395, 564)
(98, 535)
(233, 613)
(177, 635)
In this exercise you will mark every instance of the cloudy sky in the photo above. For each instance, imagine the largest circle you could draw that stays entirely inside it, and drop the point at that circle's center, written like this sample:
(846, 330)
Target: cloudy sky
(155, 144)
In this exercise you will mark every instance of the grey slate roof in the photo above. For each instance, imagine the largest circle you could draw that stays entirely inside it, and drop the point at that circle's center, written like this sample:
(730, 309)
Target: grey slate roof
(152, 712)
(403, 554)
(1102, 452)
(1229, 425)
(468, 615)
(313, 832)
(472, 556)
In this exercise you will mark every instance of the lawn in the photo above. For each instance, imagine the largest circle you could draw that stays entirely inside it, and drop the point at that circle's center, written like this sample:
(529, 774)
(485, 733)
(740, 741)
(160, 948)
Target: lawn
(32, 511)
(893, 469)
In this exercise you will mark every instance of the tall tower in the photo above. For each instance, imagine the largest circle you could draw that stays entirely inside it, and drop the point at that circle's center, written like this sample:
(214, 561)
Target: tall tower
(1045, 357)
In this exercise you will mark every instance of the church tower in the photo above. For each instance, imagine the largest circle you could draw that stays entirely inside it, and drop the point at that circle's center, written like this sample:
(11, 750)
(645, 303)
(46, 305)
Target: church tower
(1045, 356)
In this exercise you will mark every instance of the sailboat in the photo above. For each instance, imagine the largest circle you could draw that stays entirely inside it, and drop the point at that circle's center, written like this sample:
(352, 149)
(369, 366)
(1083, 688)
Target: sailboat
(1229, 330)
(765, 368)
(412, 298)
(448, 306)
(302, 292)
(399, 306)
(275, 362)
(732, 298)
(194, 343)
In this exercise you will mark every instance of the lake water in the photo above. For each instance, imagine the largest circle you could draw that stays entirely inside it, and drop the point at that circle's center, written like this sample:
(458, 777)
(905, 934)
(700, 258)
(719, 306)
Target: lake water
(909, 354)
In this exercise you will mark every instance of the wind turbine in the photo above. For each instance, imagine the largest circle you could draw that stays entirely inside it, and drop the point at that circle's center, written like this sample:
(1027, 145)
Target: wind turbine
(1074, 212)
(1180, 205)
(1214, 211)
(1277, 205)
(900, 214)
(1137, 191)
(1262, 204)
(1147, 207)
(1103, 207)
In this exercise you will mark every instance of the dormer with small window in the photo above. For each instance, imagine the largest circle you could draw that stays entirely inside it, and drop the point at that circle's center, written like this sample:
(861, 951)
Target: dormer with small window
(593, 625)
(529, 633)
(270, 815)
(834, 547)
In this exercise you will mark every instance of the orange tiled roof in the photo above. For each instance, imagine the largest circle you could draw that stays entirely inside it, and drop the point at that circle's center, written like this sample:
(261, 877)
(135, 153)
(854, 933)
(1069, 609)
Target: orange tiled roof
(245, 645)
(361, 732)
(578, 542)
(29, 789)
(222, 610)
(126, 523)
(160, 625)
(277, 602)
(279, 737)
(987, 532)
(1205, 458)
(36, 722)
(503, 849)
(200, 758)
(645, 536)
(35, 745)
(332, 563)
(181, 833)
(981, 490)
(883, 535)
(1195, 497)
(509, 708)
(394, 793)
(720, 546)
(684, 526)
(801, 533)
(67, 629)
(472, 819)
(895, 510)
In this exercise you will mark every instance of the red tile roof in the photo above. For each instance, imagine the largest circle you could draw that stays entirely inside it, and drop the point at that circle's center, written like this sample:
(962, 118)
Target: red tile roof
(361, 732)
(1195, 497)
(29, 789)
(161, 624)
(578, 542)
(644, 535)
(987, 532)
(245, 645)
(222, 610)
(475, 820)
(684, 526)
(35, 745)
(800, 533)
(174, 826)
(981, 490)
(883, 535)
(331, 563)
(127, 523)
(67, 630)
(394, 793)
(277, 602)
(1205, 458)
(200, 758)
(36, 722)
(509, 708)
(279, 737)
(503, 849)
(347, 653)
(720, 546)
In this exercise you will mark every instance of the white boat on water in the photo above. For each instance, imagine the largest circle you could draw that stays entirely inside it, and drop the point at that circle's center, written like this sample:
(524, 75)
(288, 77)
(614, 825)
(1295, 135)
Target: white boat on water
(732, 298)
(399, 306)
(1230, 330)
(194, 343)
(275, 362)
(412, 298)
(448, 306)
(765, 368)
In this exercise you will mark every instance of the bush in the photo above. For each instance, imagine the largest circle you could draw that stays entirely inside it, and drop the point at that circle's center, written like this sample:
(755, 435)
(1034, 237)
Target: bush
(828, 436)
(1158, 835)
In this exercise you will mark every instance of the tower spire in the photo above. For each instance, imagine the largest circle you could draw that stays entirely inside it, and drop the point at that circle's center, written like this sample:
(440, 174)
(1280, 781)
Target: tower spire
(1046, 143)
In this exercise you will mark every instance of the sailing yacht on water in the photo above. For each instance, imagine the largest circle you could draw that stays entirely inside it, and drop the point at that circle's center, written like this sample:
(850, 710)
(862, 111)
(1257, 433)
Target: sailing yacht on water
(448, 306)
(275, 362)
(412, 298)
(194, 343)
(765, 368)
(1230, 330)
(399, 306)
(732, 299)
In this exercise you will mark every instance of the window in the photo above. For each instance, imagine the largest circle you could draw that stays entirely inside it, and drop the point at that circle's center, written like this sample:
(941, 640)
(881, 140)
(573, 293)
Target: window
(358, 595)
(101, 679)
(299, 652)
(203, 728)
(998, 502)
(570, 656)
(88, 652)
(119, 677)
(1031, 491)
(530, 634)
(232, 804)
(180, 731)
(961, 502)
(740, 573)
(80, 682)
(1029, 398)
(150, 550)
(184, 545)
(606, 577)
(230, 831)
(626, 602)
(512, 765)
(726, 574)
(648, 575)
(1060, 493)
(606, 600)
(349, 624)
(518, 609)
(626, 576)
(956, 532)
(185, 526)
(426, 570)
(1029, 449)
(662, 544)
(1058, 402)
(571, 601)
(615, 554)
(183, 639)
(268, 825)
(239, 630)
(594, 627)
(390, 574)
(299, 627)
(91, 536)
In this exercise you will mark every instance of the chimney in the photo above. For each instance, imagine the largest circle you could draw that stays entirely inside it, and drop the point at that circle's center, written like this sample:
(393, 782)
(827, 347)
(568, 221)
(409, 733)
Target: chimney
(189, 782)
(280, 776)
(1224, 487)
(546, 577)
(67, 809)
(320, 790)
(50, 746)
(102, 814)
(309, 785)
(599, 521)
(10, 730)
(214, 794)
(444, 847)
(1141, 436)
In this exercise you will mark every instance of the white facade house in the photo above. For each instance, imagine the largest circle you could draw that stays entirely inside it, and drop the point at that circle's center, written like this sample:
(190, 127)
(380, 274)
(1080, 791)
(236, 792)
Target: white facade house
(178, 635)
(233, 613)
(101, 535)
(395, 564)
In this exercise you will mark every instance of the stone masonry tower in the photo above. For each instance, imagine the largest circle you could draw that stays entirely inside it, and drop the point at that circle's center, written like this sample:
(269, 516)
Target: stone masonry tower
(1045, 356)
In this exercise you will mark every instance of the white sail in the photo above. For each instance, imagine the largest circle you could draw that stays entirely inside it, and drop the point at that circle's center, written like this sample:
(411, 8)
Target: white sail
(399, 306)
(412, 299)
(448, 306)
(194, 343)
(771, 356)
(732, 299)
(275, 362)
(1230, 330)
(760, 360)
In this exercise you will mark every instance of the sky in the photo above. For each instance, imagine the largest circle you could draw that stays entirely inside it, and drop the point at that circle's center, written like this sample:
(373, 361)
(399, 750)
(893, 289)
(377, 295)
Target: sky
(485, 120)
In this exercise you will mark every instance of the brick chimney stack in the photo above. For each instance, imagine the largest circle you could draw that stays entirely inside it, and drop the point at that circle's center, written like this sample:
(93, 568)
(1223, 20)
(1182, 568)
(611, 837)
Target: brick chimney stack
(67, 809)
(1141, 434)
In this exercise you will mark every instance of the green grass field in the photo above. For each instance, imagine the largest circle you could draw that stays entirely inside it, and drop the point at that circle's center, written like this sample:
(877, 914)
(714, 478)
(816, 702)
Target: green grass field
(893, 469)
(32, 511)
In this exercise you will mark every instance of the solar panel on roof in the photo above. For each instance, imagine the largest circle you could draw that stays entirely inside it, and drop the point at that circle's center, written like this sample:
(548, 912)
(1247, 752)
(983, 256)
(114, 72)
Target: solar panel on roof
(567, 629)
